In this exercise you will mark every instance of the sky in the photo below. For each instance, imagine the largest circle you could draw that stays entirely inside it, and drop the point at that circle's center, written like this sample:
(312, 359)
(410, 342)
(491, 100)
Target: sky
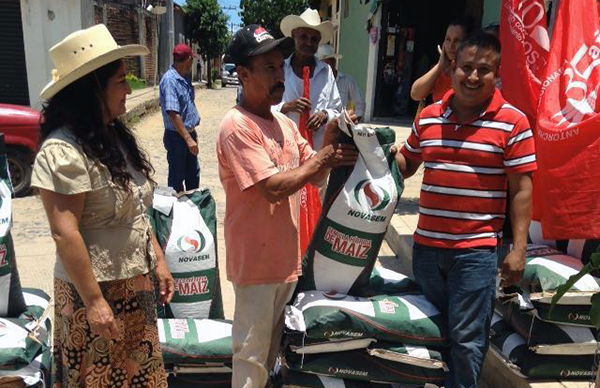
(233, 14)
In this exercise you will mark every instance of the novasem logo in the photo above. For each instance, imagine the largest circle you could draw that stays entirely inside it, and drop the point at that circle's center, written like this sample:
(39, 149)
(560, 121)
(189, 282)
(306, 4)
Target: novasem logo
(194, 242)
(371, 195)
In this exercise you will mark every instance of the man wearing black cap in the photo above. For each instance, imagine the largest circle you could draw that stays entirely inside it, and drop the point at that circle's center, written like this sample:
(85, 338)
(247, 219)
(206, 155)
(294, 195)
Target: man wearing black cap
(263, 163)
(180, 117)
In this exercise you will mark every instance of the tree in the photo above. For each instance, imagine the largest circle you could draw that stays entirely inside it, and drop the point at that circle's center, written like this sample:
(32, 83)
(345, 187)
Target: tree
(268, 13)
(206, 24)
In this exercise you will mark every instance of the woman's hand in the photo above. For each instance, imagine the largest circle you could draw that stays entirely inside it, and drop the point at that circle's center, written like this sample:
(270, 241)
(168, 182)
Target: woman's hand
(166, 285)
(444, 61)
(101, 320)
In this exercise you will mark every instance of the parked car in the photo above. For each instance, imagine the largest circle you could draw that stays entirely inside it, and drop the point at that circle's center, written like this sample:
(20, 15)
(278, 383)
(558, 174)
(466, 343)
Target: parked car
(21, 127)
(229, 75)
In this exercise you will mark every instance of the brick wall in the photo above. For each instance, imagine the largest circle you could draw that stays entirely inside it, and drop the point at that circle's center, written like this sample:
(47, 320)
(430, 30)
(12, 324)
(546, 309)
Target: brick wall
(122, 22)
(150, 42)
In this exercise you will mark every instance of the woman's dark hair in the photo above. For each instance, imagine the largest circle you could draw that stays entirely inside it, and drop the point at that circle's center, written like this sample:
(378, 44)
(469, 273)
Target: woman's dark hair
(466, 22)
(79, 107)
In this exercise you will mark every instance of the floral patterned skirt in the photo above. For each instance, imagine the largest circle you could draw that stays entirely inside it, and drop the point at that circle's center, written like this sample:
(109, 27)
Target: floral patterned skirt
(83, 359)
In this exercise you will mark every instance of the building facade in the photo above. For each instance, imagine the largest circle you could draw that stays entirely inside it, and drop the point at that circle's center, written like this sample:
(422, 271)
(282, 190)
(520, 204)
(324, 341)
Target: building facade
(387, 44)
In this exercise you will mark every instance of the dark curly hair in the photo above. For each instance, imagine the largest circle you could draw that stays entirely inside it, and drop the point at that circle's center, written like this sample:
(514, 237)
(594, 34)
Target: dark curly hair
(79, 107)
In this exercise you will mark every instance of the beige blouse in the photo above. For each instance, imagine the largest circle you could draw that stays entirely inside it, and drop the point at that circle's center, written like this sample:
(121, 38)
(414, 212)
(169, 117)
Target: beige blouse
(113, 224)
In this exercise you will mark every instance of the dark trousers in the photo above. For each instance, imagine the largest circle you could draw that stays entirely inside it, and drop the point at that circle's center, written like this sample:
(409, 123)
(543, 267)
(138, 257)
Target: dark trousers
(183, 165)
(461, 284)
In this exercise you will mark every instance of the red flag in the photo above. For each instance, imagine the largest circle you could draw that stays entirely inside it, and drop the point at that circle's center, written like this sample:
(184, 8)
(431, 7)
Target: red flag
(568, 126)
(525, 46)
(310, 203)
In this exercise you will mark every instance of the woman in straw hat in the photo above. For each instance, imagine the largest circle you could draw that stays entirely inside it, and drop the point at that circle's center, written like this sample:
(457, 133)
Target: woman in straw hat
(95, 184)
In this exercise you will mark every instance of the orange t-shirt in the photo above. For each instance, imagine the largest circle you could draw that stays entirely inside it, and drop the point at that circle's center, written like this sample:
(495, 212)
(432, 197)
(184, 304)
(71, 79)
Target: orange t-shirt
(443, 83)
(261, 238)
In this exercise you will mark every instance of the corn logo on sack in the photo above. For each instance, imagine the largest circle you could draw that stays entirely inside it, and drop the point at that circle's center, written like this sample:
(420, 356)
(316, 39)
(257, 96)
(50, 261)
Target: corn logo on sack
(358, 207)
(186, 229)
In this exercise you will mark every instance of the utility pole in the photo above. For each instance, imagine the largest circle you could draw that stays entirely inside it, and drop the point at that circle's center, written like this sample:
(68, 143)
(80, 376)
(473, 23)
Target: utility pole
(171, 24)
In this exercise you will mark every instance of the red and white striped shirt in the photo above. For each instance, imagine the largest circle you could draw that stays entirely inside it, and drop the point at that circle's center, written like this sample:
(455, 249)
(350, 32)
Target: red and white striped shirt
(464, 190)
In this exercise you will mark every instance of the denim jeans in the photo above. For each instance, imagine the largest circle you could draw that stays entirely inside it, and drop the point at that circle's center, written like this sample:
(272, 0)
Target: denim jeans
(461, 284)
(183, 165)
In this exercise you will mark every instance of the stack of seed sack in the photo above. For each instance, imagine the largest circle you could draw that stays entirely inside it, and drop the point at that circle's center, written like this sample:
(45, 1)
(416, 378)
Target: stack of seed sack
(351, 325)
(25, 343)
(24, 324)
(578, 248)
(195, 339)
(540, 342)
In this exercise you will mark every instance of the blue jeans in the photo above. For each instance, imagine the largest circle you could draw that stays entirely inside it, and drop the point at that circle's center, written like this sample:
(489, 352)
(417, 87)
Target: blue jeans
(183, 165)
(461, 284)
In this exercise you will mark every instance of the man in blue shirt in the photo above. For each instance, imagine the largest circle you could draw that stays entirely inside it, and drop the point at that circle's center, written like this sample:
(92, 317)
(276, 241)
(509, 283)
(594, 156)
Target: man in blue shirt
(180, 117)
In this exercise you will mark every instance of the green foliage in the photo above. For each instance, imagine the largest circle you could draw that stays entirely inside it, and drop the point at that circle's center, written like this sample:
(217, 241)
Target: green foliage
(135, 82)
(206, 24)
(215, 74)
(268, 13)
(595, 310)
(562, 290)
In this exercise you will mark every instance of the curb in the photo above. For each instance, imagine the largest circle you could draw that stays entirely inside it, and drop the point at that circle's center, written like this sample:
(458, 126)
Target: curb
(139, 111)
(399, 243)
(151, 105)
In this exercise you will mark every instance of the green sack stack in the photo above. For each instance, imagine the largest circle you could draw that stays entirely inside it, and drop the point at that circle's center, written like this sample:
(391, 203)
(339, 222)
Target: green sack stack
(195, 340)
(538, 342)
(12, 303)
(25, 343)
(337, 340)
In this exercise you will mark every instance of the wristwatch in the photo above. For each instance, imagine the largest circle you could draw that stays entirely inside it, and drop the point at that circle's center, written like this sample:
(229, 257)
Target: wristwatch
(326, 117)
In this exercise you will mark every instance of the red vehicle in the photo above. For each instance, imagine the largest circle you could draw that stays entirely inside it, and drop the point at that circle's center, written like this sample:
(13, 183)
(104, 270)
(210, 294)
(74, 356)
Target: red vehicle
(20, 126)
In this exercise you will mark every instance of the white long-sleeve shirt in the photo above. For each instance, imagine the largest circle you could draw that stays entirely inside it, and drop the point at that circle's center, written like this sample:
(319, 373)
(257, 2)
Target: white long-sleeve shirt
(350, 93)
(324, 95)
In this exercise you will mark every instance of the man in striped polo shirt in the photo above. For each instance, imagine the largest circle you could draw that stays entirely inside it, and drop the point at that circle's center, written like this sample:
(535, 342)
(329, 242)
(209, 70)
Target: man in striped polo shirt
(474, 145)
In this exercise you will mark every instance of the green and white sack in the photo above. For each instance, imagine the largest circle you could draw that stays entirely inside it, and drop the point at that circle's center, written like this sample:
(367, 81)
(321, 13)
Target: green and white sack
(410, 319)
(186, 228)
(548, 338)
(581, 249)
(358, 207)
(547, 268)
(387, 282)
(34, 375)
(295, 379)
(515, 351)
(202, 342)
(25, 338)
(385, 363)
(11, 298)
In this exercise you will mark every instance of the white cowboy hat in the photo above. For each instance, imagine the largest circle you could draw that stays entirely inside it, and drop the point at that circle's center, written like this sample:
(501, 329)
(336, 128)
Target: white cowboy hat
(309, 19)
(326, 51)
(82, 52)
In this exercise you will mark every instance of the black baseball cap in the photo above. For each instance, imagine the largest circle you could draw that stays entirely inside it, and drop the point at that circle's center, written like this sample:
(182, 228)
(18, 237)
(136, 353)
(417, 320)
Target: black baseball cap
(253, 40)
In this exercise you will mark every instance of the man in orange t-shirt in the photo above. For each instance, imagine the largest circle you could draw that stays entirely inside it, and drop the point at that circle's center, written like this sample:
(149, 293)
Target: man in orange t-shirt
(263, 163)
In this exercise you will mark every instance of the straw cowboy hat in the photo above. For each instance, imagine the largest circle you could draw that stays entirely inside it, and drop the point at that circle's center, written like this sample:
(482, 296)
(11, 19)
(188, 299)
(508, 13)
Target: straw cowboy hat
(326, 51)
(309, 19)
(82, 52)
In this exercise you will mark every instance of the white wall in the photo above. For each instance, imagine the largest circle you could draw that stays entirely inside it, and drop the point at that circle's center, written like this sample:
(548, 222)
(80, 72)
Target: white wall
(45, 23)
(372, 68)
